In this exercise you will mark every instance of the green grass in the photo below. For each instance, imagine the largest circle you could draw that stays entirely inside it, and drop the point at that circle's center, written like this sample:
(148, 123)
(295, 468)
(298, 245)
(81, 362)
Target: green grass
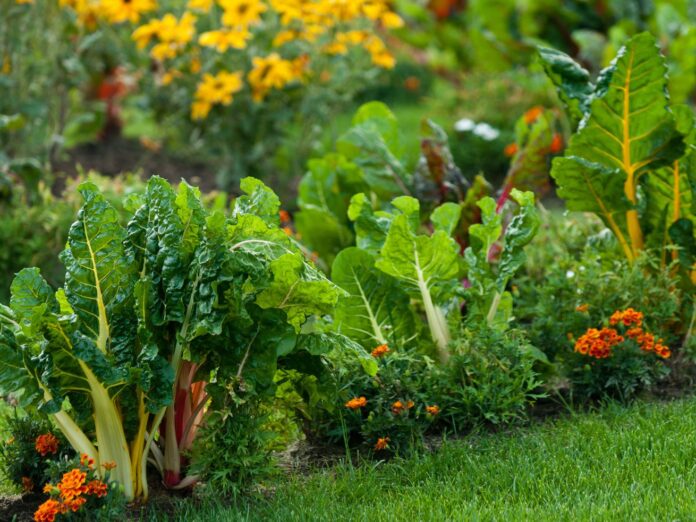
(636, 463)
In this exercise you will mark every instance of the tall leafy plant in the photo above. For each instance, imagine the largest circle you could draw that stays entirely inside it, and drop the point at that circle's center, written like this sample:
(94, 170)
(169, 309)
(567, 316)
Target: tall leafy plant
(631, 159)
(155, 319)
(400, 271)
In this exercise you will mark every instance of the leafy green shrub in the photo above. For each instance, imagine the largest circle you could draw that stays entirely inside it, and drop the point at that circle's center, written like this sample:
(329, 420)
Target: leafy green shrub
(25, 455)
(558, 298)
(490, 379)
(232, 450)
(391, 406)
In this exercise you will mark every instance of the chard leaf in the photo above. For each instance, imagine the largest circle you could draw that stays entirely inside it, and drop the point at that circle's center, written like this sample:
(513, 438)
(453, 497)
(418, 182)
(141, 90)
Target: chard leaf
(321, 343)
(298, 290)
(30, 290)
(629, 132)
(370, 227)
(446, 217)
(373, 145)
(258, 200)
(427, 267)
(99, 277)
(322, 232)
(375, 310)
(572, 81)
(487, 299)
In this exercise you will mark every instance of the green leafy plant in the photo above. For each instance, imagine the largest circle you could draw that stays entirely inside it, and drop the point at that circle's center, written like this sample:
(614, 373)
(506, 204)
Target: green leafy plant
(491, 379)
(631, 159)
(150, 313)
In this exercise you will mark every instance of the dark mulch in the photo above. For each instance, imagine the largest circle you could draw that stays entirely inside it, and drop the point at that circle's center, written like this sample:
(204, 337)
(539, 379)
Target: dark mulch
(20, 508)
(118, 154)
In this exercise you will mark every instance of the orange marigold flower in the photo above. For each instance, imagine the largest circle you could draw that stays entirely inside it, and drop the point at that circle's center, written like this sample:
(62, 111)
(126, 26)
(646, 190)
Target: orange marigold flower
(72, 484)
(556, 143)
(598, 343)
(47, 511)
(97, 488)
(409, 405)
(510, 149)
(284, 216)
(663, 351)
(582, 308)
(382, 443)
(27, 484)
(532, 114)
(109, 465)
(433, 410)
(412, 83)
(628, 317)
(288, 231)
(74, 504)
(46, 443)
(48, 489)
(397, 407)
(85, 460)
(356, 403)
(380, 351)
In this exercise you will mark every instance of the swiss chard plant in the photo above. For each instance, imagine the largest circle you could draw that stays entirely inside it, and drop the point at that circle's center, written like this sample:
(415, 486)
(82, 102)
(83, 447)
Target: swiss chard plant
(155, 318)
(400, 271)
(632, 159)
(370, 167)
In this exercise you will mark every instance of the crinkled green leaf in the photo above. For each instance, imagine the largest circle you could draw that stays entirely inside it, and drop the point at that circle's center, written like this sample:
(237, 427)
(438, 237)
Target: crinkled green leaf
(628, 132)
(99, 277)
(572, 81)
(297, 290)
(258, 200)
(375, 310)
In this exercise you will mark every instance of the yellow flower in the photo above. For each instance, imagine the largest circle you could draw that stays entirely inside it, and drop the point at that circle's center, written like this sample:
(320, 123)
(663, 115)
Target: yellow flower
(146, 32)
(270, 72)
(213, 90)
(391, 20)
(242, 12)
(179, 32)
(379, 53)
(117, 11)
(223, 39)
(283, 37)
(200, 5)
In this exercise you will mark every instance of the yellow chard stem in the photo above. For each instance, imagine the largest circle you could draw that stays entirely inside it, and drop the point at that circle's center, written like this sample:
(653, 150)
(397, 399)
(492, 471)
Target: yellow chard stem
(634, 231)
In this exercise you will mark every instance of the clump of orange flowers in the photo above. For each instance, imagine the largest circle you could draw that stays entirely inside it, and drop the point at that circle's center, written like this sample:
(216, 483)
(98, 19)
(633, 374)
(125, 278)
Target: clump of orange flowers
(46, 443)
(356, 403)
(398, 407)
(600, 343)
(380, 351)
(382, 443)
(73, 491)
(433, 410)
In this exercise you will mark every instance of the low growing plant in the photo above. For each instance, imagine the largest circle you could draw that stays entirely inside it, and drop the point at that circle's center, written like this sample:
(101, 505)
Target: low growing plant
(31, 444)
(619, 359)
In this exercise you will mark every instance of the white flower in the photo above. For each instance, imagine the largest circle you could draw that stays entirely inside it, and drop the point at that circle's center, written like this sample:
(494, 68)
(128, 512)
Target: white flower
(486, 132)
(464, 125)
(570, 274)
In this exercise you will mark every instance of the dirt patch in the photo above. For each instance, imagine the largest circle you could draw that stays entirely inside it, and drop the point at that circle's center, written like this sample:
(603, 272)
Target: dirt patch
(20, 508)
(119, 154)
